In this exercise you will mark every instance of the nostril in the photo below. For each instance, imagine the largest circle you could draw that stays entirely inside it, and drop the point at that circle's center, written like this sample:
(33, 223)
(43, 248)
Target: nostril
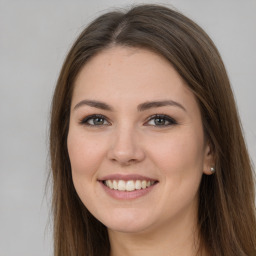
(124, 161)
(125, 151)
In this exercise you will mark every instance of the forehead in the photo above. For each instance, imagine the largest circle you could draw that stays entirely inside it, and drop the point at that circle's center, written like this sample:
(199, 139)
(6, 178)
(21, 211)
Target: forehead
(130, 73)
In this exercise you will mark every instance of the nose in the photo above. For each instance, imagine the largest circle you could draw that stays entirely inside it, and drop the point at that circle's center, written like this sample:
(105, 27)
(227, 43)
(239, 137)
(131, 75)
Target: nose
(125, 147)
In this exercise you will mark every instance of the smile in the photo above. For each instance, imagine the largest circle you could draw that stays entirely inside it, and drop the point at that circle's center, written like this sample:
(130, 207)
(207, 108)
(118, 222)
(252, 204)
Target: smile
(127, 186)
(130, 185)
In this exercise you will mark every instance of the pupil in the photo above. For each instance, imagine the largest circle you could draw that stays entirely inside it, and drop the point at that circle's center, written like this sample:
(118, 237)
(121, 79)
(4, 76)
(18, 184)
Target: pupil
(159, 121)
(98, 120)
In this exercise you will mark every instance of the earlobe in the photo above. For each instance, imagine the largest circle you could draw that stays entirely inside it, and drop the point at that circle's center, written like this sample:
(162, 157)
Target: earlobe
(209, 171)
(209, 163)
(212, 169)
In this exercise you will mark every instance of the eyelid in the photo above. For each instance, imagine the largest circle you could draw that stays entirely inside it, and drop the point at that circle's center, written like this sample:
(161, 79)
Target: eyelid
(172, 121)
(84, 120)
(163, 116)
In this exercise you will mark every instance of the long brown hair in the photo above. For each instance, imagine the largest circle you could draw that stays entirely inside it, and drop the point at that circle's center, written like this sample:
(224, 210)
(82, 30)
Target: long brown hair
(226, 214)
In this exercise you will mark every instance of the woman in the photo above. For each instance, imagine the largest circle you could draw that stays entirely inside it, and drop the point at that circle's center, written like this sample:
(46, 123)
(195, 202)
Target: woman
(148, 157)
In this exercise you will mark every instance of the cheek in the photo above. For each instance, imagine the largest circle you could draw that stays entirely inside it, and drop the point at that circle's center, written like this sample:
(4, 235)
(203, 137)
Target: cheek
(179, 159)
(179, 155)
(84, 154)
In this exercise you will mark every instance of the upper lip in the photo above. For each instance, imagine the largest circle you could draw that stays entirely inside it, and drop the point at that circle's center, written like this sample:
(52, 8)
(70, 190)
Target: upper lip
(126, 177)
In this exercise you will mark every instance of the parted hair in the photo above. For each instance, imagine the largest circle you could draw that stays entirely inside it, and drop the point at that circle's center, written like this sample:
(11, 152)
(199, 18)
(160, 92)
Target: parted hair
(226, 212)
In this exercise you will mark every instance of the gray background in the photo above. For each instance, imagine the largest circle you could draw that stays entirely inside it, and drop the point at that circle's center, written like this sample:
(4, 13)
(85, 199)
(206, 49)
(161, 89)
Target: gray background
(34, 39)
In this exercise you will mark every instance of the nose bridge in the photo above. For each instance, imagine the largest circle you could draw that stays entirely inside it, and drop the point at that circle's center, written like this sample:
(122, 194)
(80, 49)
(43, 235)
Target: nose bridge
(125, 145)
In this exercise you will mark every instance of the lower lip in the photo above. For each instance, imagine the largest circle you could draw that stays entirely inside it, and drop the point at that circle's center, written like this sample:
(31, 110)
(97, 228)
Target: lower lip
(127, 195)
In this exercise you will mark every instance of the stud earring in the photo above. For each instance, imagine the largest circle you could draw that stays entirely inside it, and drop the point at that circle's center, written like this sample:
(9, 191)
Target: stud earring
(212, 169)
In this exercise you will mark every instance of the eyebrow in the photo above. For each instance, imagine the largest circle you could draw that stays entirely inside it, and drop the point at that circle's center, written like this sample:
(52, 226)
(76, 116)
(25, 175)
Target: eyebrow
(157, 104)
(141, 107)
(94, 104)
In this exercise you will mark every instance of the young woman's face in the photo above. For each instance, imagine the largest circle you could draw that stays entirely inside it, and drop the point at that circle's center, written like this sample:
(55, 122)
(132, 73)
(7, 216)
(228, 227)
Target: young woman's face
(136, 141)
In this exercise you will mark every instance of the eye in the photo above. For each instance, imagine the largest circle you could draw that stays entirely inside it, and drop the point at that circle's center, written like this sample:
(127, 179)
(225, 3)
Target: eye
(161, 120)
(95, 120)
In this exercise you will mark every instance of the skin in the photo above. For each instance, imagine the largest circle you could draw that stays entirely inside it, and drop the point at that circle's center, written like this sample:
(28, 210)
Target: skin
(164, 221)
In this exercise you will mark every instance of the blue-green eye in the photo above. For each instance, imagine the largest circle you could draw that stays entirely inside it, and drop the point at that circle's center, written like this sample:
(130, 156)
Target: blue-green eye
(161, 120)
(95, 120)
(155, 120)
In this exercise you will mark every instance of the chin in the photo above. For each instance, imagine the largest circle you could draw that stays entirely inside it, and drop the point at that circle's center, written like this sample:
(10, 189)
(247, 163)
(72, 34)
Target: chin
(127, 222)
(127, 227)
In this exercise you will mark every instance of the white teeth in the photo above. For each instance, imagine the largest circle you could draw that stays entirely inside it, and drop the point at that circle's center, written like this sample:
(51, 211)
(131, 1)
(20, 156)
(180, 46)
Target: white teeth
(114, 184)
(143, 184)
(109, 183)
(138, 184)
(121, 185)
(129, 185)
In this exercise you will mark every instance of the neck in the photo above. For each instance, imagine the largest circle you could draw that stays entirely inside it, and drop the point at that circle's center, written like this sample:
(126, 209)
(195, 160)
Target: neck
(177, 238)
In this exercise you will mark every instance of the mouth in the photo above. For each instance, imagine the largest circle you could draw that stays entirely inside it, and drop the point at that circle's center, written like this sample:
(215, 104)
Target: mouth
(128, 185)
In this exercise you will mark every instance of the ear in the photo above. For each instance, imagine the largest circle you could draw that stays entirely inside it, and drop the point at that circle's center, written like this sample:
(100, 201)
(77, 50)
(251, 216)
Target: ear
(208, 159)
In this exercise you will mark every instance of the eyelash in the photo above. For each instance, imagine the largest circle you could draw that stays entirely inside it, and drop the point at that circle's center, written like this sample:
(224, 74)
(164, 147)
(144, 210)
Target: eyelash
(170, 120)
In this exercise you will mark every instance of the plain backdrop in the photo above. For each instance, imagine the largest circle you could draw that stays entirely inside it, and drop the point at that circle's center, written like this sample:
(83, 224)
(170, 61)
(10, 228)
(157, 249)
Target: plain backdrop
(35, 37)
